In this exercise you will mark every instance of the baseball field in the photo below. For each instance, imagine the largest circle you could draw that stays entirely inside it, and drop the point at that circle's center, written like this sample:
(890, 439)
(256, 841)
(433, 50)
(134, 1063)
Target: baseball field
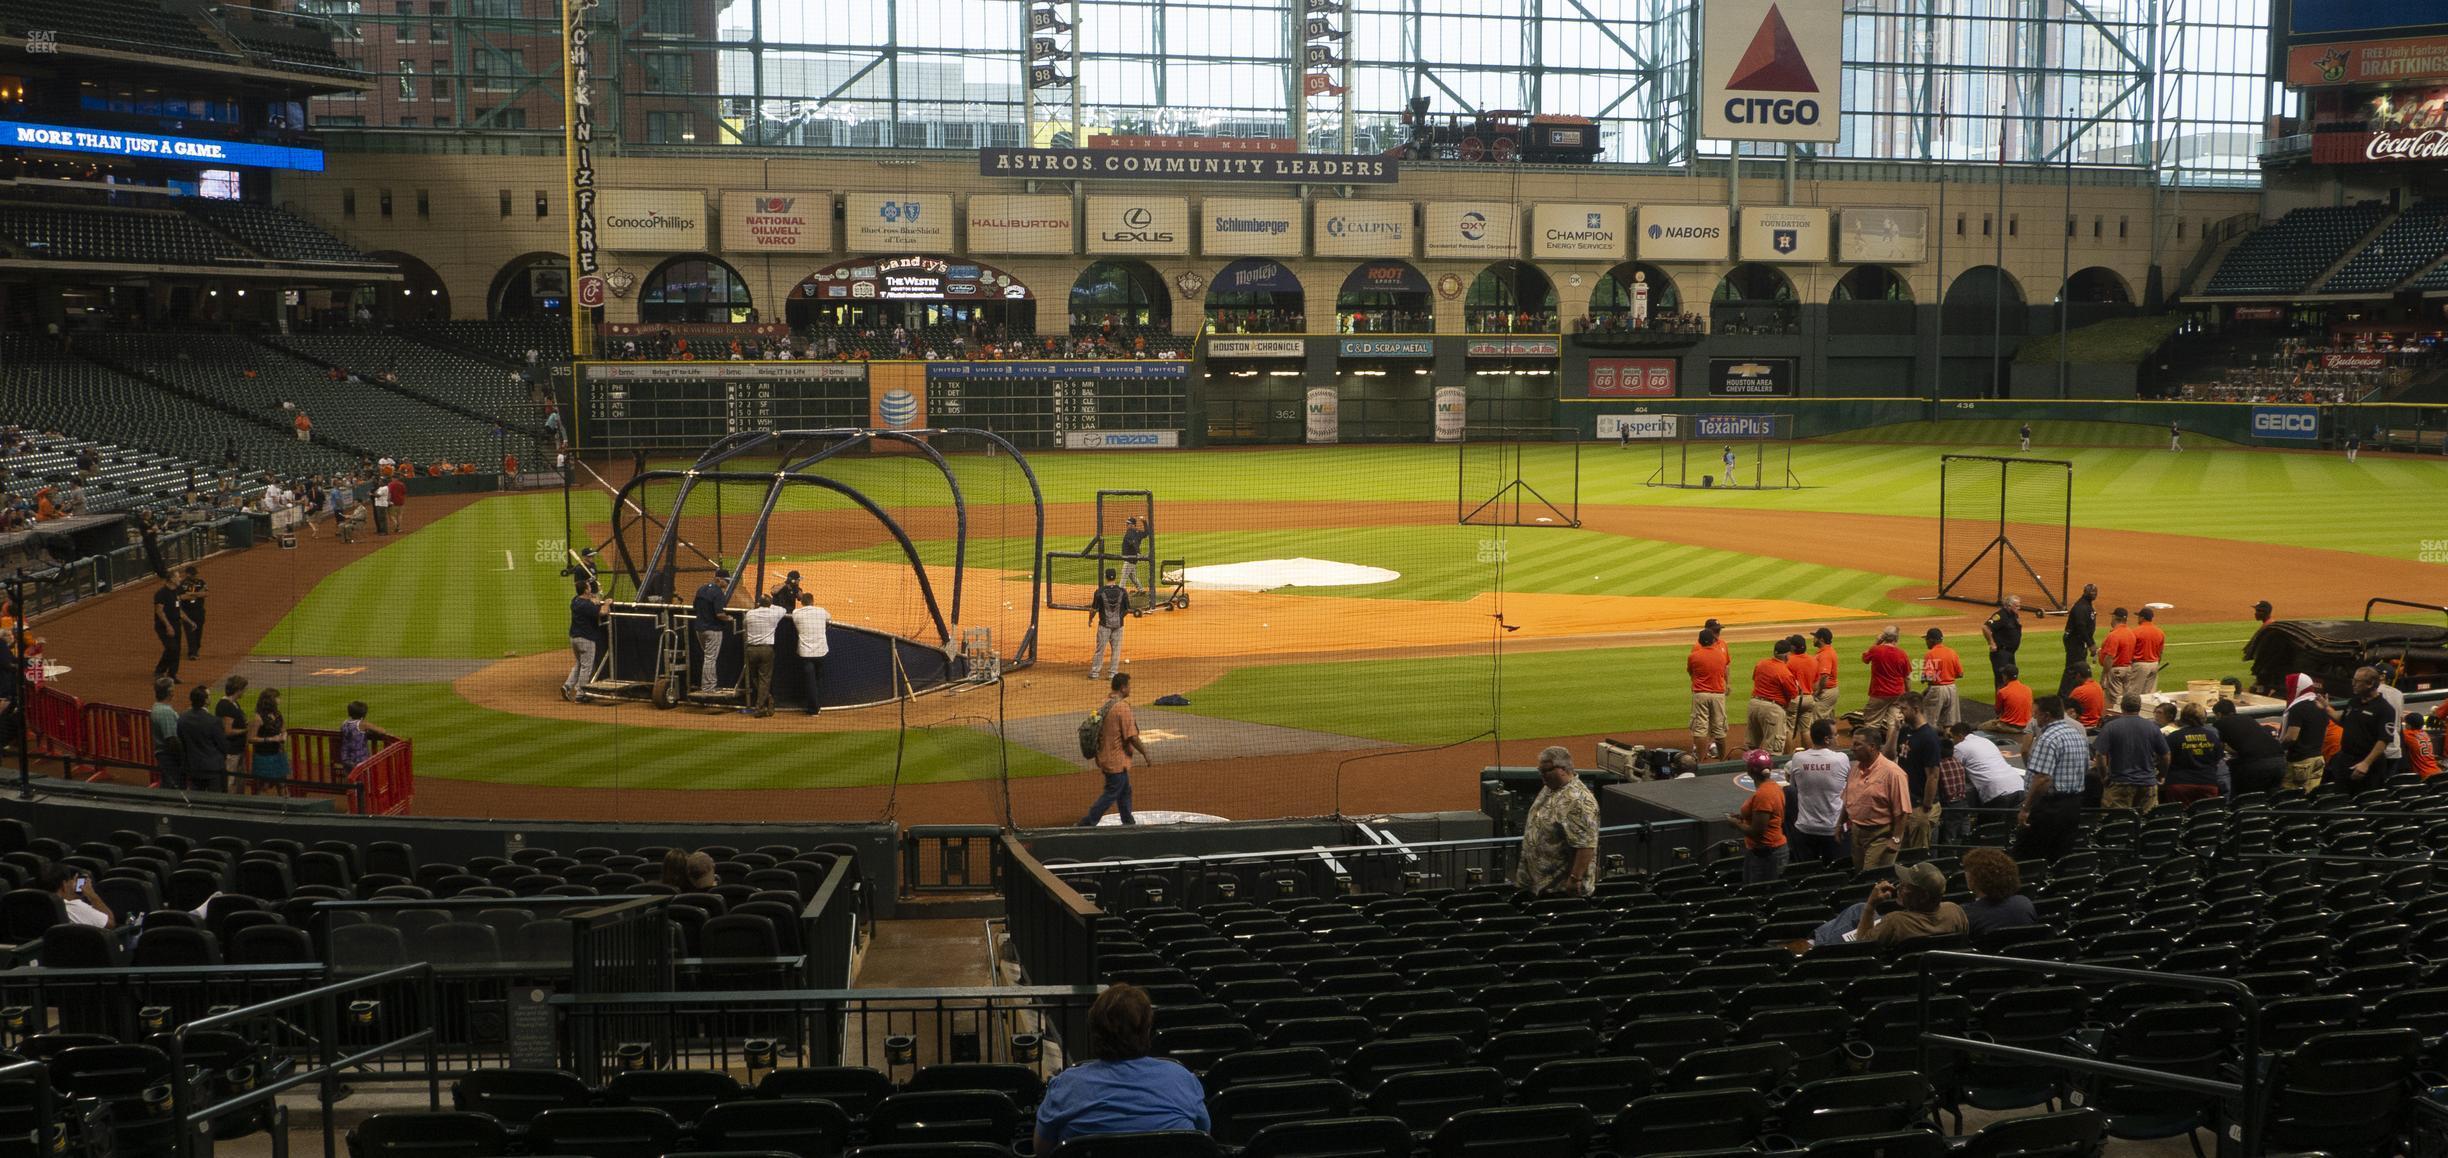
(1369, 696)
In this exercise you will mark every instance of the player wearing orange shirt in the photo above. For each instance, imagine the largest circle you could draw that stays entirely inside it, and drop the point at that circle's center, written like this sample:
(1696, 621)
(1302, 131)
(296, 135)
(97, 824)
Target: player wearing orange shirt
(1772, 692)
(1805, 708)
(2089, 700)
(1940, 668)
(2116, 656)
(2150, 643)
(1707, 665)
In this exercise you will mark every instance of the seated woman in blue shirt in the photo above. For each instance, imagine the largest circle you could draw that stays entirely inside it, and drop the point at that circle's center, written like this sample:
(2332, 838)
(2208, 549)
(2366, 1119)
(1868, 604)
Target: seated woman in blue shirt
(1120, 1090)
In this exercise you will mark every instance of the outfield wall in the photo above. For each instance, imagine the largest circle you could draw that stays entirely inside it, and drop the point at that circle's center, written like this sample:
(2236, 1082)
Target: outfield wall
(2228, 421)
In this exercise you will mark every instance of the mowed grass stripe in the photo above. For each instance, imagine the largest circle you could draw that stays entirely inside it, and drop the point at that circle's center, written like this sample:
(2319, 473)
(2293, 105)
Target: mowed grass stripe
(1554, 694)
(459, 740)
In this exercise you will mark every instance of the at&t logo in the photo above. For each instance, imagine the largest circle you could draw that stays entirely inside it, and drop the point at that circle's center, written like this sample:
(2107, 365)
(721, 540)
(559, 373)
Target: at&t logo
(899, 408)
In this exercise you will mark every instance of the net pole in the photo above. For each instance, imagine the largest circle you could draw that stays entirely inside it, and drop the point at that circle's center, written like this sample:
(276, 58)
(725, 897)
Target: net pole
(2003, 468)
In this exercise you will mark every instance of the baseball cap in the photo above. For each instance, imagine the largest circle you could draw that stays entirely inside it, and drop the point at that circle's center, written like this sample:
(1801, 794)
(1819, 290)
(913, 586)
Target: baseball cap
(792, 575)
(1924, 876)
(1712, 623)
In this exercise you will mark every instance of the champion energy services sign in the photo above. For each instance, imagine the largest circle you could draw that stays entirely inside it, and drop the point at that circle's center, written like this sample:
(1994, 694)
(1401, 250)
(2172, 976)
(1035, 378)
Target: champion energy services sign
(1770, 69)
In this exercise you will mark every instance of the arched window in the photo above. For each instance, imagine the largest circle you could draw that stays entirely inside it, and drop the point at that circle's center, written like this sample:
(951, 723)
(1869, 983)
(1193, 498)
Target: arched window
(1872, 283)
(1385, 297)
(1130, 294)
(694, 287)
(1755, 299)
(1510, 297)
(1256, 295)
(532, 285)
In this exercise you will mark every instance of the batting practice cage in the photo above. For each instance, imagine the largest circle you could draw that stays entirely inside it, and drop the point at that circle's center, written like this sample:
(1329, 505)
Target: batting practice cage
(1518, 476)
(1722, 451)
(2005, 527)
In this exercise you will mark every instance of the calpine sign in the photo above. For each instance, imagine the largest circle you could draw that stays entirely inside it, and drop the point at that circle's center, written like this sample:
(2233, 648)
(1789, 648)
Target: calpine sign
(1770, 69)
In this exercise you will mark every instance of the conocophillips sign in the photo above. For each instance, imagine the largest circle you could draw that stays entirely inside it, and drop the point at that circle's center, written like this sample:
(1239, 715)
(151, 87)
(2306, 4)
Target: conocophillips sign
(651, 219)
(2294, 423)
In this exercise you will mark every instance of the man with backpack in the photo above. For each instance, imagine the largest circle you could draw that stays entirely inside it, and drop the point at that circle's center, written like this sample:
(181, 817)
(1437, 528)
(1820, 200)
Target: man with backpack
(1108, 608)
(1111, 738)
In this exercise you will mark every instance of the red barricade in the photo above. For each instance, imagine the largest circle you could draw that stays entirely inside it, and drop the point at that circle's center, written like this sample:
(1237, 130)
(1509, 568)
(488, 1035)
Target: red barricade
(389, 777)
(120, 737)
(57, 722)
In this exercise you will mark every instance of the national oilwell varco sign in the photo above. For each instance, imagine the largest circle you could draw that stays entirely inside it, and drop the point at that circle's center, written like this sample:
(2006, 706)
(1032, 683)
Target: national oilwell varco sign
(1770, 69)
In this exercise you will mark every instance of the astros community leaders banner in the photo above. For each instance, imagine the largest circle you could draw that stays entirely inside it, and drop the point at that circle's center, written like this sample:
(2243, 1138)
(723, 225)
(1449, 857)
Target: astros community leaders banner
(1780, 234)
(651, 219)
(1250, 227)
(1000, 224)
(1684, 233)
(1769, 69)
(1180, 165)
(1363, 228)
(877, 221)
(765, 222)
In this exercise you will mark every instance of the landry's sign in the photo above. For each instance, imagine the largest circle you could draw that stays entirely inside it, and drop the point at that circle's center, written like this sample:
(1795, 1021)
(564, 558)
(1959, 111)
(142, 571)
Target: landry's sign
(1179, 165)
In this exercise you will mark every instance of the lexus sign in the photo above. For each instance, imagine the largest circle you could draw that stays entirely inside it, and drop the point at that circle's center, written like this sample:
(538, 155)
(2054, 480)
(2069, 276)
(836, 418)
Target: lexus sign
(1770, 69)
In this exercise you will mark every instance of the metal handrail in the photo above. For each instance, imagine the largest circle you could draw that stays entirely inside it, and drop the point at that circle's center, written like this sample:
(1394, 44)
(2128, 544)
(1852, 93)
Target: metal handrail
(324, 1003)
(1410, 849)
(2246, 1091)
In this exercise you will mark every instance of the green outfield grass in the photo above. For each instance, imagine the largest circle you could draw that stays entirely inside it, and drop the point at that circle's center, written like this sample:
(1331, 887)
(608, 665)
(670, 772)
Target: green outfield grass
(457, 740)
(1552, 693)
(484, 582)
(2047, 436)
(1447, 562)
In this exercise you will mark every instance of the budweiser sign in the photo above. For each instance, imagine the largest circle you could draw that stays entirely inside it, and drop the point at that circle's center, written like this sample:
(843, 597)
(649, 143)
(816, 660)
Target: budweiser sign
(2354, 361)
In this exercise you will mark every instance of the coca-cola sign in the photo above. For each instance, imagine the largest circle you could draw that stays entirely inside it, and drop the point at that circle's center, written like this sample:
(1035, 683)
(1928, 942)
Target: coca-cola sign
(2358, 148)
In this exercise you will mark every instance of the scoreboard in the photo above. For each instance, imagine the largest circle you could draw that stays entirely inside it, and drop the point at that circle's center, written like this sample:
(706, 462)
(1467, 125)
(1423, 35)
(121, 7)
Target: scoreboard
(683, 406)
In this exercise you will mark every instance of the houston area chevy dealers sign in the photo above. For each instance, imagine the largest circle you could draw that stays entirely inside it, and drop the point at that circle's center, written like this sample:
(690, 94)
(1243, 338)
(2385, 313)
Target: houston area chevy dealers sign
(1769, 69)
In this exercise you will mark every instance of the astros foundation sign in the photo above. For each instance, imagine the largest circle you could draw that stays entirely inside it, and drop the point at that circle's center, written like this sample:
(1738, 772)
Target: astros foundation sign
(1769, 69)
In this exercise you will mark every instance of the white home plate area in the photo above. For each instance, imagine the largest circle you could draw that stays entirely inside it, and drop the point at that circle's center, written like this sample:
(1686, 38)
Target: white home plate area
(1269, 574)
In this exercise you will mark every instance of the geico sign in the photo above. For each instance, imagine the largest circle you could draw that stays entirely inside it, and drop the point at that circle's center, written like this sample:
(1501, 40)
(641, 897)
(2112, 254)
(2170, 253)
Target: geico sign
(1771, 111)
(2285, 423)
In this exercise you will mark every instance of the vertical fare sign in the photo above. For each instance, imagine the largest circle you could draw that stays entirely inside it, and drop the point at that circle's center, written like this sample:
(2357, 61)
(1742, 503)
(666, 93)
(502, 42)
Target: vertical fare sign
(578, 147)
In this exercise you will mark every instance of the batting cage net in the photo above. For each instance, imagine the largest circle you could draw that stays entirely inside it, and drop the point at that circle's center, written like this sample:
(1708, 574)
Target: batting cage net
(2005, 527)
(1519, 476)
(1720, 451)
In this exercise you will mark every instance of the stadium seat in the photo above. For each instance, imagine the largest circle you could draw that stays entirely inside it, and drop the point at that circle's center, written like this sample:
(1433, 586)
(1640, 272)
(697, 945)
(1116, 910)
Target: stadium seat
(516, 1096)
(1239, 1112)
(432, 1134)
(1535, 1131)
(603, 1132)
(807, 1127)
(856, 1089)
(945, 1116)
(1349, 1137)
(1158, 1144)
(684, 1094)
